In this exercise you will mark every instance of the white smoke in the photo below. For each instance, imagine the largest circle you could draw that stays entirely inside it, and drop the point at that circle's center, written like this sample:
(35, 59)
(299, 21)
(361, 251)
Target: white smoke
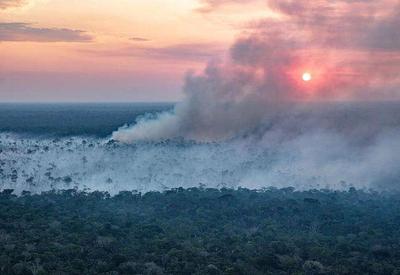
(243, 122)
(254, 127)
(333, 146)
(227, 101)
(348, 45)
(254, 87)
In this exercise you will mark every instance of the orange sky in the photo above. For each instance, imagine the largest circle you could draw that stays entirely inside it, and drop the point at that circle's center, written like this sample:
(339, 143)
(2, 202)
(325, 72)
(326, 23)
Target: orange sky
(138, 50)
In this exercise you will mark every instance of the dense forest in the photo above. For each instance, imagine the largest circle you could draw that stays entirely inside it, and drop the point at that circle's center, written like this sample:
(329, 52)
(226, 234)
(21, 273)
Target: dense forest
(200, 231)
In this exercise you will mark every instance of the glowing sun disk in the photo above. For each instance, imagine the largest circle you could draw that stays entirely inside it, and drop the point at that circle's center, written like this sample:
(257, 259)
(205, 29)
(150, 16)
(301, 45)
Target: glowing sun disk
(306, 76)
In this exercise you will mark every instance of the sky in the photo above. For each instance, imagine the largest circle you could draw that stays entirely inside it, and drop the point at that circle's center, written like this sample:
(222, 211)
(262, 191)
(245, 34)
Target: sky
(133, 50)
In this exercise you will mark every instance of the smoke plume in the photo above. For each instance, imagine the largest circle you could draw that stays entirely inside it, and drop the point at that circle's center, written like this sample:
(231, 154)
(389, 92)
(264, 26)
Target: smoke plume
(250, 120)
(262, 75)
(283, 130)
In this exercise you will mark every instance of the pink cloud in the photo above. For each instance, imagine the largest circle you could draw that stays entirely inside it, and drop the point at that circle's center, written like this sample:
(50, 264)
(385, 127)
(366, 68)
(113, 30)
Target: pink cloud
(4, 4)
(18, 31)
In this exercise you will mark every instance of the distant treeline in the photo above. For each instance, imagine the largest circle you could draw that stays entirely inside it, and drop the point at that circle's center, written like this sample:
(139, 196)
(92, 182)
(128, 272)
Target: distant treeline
(200, 231)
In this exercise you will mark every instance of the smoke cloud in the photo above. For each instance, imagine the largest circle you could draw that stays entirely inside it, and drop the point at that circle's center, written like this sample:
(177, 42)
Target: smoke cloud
(311, 146)
(282, 129)
(250, 120)
(350, 48)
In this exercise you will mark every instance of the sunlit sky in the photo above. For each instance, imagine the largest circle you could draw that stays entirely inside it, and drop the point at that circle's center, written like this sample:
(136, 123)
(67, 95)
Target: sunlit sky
(101, 50)
(134, 50)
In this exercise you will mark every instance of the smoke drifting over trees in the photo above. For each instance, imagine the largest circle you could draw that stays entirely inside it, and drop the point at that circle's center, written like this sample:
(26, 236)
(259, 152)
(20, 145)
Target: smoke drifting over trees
(256, 97)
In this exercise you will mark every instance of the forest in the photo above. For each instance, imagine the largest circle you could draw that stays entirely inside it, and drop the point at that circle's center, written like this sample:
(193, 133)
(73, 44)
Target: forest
(200, 231)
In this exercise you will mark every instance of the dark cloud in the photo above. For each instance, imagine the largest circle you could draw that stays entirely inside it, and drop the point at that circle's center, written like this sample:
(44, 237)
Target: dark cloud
(4, 4)
(18, 31)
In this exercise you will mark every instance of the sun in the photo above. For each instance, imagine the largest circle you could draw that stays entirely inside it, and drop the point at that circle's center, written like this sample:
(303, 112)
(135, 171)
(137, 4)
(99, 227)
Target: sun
(307, 76)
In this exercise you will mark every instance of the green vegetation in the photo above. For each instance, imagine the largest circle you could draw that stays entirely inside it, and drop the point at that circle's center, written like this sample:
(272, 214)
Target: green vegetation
(200, 231)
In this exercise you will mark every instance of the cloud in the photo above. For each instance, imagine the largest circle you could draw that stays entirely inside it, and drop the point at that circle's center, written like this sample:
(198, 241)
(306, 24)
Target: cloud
(139, 39)
(385, 34)
(190, 52)
(19, 31)
(4, 4)
(212, 5)
(185, 51)
(352, 47)
(348, 24)
(367, 24)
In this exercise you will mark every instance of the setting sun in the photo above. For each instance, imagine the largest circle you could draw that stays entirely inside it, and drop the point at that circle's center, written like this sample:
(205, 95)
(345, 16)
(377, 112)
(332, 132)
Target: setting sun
(307, 76)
